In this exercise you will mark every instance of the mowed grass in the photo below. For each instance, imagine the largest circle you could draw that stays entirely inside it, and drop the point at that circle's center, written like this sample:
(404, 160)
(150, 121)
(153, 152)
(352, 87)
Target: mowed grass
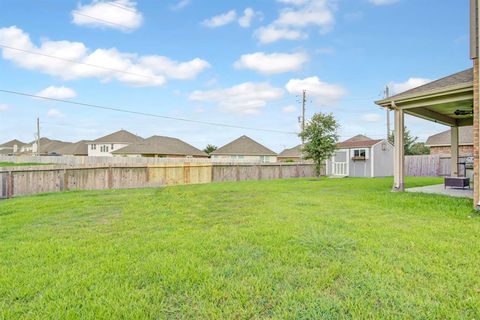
(288, 249)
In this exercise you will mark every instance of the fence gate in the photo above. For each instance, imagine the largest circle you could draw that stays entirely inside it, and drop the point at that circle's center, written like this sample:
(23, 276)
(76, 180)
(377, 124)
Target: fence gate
(340, 163)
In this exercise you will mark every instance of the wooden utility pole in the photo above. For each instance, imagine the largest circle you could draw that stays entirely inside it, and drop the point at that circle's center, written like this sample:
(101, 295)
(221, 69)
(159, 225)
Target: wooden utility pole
(38, 136)
(387, 94)
(304, 102)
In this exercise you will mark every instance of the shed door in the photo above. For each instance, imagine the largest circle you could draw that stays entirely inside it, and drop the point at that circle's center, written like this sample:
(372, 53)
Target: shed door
(340, 163)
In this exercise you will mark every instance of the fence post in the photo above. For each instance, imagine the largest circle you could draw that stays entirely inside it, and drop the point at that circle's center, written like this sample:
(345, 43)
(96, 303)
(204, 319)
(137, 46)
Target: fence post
(280, 172)
(10, 191)
(109, 177)
(297, 171)
(259, 172)
(65, 180)
(237, 173)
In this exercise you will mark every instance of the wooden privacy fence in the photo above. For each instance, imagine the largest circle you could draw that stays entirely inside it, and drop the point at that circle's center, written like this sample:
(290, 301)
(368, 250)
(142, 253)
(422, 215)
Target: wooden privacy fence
(96, 161)
(429, 165)
(21, 181)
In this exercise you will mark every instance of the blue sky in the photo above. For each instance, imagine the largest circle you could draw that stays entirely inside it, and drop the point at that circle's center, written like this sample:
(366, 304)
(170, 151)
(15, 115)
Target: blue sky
(235, 62)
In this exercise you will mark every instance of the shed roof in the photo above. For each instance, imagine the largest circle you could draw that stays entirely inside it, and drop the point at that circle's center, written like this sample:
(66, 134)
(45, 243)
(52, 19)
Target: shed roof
(244, 146)
(295, 152)
(121, 136)
(358, 141)
(442, 139)
(159, 145)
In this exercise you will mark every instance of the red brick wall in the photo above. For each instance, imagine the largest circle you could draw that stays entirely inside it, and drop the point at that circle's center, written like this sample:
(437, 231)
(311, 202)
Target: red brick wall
(463, 150)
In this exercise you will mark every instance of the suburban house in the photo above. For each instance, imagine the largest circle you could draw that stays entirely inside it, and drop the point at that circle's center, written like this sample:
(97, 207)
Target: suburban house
(361, 156)
(11, 147)
(79, 148)
(291, 155)
(160, 147)
(440, 143)
(104, 146)
(244, 149)
(47, 147)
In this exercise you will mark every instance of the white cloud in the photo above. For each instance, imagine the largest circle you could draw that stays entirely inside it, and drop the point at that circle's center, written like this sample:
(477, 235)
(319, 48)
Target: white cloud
(289, 109)
(324, 93)
(54, 113)
(231, 16)
(4, 107)
(153, 70)
(246, 20)
(180, 5)
(57, 93)
(272, 63)
(274, 33)
(117, 14)
(221, 19)
(174, 69)
(372, 117)
(298, 15)
(411, 83)
(245, 98)
(382, 2)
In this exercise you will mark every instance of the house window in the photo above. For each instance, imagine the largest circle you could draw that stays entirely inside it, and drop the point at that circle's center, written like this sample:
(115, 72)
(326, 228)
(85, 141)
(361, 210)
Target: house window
(106, 148)
(112, 146)
(360, 153)
(93, 147)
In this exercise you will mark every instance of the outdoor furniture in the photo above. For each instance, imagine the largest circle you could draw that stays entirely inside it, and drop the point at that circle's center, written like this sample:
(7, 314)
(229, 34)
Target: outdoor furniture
(457, 182)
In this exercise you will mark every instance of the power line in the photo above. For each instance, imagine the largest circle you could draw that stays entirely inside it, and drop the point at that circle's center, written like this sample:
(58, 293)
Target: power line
(102, 20)
(78, 62)
(120, 6)
(82, 104)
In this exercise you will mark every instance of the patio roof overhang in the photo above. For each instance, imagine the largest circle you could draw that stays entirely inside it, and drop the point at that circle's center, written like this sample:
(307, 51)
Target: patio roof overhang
(448, 101)
(450, 105)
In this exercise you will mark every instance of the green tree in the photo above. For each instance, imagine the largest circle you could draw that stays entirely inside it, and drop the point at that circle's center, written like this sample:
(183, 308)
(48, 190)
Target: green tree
(320, 137)
(419, 148)
(411, 146)
(209, 149)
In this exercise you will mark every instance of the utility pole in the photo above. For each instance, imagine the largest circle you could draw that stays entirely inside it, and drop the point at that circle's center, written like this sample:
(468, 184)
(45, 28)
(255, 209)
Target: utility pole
(387, 94)
(304, 102)
(38, 136)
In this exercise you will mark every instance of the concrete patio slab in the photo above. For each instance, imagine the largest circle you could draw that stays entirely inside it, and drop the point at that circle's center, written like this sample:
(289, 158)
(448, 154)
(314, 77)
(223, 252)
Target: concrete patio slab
(440, 189)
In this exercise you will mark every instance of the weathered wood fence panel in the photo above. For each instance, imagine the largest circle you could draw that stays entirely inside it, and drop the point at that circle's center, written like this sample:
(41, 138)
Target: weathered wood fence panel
(96, 161)
(21, 181)
(429, 165)
(242, 172)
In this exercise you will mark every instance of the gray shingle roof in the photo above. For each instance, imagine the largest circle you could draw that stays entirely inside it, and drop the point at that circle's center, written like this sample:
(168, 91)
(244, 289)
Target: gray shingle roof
(462, 77)
(158, 145)
(295, 152)
(79, 148)
(52, 146)
(244, 146)
(122, 136)
(465, 137)
(12, 143)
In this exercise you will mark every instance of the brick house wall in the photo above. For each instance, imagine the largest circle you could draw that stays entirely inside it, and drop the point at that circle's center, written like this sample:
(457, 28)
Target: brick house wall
(445, 150)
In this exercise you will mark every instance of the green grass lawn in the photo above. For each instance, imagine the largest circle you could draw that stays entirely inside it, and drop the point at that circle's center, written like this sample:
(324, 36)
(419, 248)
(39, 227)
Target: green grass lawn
(20, 164)
(288, 249)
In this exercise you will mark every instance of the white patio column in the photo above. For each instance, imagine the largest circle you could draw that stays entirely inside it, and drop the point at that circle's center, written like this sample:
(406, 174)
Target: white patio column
(399, 155)
(454, 152)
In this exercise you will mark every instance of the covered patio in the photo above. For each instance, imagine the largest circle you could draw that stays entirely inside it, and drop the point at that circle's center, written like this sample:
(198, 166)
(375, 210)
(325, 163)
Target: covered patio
(448, 101)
